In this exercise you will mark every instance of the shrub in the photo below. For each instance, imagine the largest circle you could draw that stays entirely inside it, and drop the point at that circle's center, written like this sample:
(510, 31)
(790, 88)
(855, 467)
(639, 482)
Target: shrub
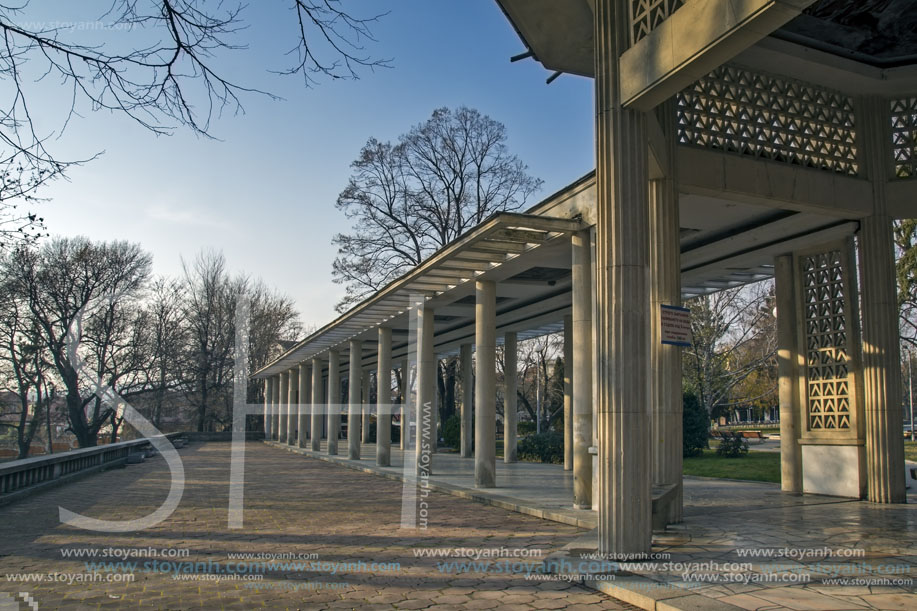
(733, 445)
(452, 431)
(525, 427)
(696, 426)
(545, 447)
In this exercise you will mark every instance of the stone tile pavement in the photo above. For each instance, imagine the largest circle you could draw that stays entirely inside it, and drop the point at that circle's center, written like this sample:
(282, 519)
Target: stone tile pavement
(849, 554)
(334, 535)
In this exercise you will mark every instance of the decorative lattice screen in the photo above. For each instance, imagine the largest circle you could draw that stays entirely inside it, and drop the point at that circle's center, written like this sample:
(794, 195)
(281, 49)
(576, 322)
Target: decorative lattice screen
(828, 388)
(646, 15)
(771, 117)
(904, 136)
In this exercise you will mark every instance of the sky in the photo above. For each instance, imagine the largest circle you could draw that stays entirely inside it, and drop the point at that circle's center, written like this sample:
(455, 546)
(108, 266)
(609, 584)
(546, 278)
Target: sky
(263, 190)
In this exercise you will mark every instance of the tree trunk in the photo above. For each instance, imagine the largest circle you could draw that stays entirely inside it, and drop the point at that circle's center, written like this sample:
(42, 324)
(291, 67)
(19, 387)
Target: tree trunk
(21, 435)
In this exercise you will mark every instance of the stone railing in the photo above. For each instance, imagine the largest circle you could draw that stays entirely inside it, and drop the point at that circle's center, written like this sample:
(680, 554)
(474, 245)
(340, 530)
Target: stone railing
(19, 477)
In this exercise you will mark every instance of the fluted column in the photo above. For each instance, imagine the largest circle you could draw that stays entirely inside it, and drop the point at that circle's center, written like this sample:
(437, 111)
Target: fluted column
(426, 386)
(284, 406)
(568, 392)
(364, 437)
(581, 320)
(405, 394)
(292, 405)
(305, 402)
(355, 407)
(881, 350)
(485, 385)
(275, 414)
(881, 363)
(467, 400)
(622, 299)
(788, 375)
(318, 405)
(509, 397)
(667, 399)
(334, 401)
(268, 406)
(384, 399)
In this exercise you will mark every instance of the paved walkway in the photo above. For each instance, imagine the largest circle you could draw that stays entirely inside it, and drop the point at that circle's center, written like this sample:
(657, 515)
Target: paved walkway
(825, 552)
(335, 534)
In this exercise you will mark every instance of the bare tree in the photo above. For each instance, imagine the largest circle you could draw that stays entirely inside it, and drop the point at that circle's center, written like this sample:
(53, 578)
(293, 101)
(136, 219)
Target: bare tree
(906, 267)
(23, 368)
(115, 339)
(211, 297)
(20, 179)
(67, 281)
(167, 338)
(209, 310)
(172, 72)
(410, 198)
(734, 337)
(273, 319)
(540, 378)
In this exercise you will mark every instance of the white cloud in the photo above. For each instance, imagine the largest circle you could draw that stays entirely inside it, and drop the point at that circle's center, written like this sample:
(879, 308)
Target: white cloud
(187, 217)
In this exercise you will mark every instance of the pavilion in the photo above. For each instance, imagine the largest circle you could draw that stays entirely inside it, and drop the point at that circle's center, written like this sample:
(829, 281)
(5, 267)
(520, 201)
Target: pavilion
(736, 140)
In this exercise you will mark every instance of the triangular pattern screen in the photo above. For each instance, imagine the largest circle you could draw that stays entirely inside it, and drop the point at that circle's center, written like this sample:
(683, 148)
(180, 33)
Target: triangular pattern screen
(646, 15)
(775, 118)
(827, 361)
(904, 136)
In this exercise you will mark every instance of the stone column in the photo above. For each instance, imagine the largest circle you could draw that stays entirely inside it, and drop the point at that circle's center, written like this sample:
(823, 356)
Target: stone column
(467, 399)
(881, 350)
(305, 403)
(275, 416)
(622, 299)
(354, 413)
(568, 392)
(334, 401)
(425, 443)
(292, 406)
(581, 321)
(437, 403)
(366, 407)
(788, 375)
(881, 363)
(318, 405)
(268, 406)
(509, 397)
(384, 399)
(284, 406)
(667, 399)
(405, 393)
(485, 385)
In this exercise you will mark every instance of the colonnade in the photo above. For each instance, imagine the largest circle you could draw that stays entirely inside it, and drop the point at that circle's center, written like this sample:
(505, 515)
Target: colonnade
(298, 408)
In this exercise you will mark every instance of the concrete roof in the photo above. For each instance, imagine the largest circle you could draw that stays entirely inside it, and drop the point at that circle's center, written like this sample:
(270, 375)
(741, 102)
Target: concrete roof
(524, 253)
(881, 33)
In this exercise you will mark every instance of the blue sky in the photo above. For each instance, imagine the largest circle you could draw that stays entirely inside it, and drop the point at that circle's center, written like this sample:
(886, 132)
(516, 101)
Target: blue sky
(264, 192)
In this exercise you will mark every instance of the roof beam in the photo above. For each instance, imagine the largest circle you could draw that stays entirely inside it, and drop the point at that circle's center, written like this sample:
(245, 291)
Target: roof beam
(519, 235)
(692, 41)
(502, 247)
(773, 184)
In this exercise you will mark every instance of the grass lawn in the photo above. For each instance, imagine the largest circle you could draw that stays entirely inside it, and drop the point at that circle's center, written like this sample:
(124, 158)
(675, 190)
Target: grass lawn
(910, 450)
(755, 466)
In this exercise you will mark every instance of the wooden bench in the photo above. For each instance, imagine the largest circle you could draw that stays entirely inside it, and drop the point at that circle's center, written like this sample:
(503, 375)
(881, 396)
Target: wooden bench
(754, 435)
